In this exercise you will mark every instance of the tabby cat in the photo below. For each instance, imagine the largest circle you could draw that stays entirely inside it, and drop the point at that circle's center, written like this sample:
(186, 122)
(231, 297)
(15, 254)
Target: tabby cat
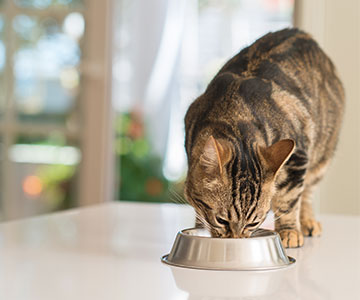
(261, 137)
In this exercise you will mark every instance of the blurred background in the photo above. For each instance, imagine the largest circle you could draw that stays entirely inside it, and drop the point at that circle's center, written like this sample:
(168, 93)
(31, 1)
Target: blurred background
(93, 94)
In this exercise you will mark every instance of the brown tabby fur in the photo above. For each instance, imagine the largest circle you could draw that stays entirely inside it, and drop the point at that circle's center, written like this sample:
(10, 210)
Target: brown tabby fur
(261, 137)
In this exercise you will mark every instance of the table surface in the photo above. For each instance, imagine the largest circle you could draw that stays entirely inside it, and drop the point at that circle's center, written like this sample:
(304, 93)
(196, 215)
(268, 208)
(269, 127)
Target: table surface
(113, 250)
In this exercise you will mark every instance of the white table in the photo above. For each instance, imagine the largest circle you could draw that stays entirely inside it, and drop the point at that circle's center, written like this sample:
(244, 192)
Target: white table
(113, 251)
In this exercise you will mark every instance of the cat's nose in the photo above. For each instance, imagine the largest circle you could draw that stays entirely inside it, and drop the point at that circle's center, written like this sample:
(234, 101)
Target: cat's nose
(246, 234)
(238, 230)
(240, 233)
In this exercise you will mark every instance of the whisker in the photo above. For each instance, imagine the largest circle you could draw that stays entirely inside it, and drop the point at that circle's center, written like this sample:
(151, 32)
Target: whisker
(204, 222)
(173, 199)
(179, 199)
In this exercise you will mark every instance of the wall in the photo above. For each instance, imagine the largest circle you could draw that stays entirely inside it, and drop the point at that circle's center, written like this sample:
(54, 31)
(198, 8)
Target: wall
(335, 24)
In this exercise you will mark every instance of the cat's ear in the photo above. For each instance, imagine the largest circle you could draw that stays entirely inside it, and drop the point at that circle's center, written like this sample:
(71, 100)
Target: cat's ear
(216, 154)
(276, 155)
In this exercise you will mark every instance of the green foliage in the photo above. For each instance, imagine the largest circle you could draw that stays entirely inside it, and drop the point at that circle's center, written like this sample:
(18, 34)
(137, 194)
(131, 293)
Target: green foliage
(57, 183)
(141, 177)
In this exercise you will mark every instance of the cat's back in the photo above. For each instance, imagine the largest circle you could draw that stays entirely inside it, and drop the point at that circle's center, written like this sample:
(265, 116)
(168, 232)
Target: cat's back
(289, 52)
(288, 58)
(250, 74)
(284, 78)
(273, 47)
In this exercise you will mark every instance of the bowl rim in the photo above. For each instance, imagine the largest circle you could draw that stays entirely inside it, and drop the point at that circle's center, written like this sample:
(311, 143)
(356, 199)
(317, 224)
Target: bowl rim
(164, 259)
(184, 234)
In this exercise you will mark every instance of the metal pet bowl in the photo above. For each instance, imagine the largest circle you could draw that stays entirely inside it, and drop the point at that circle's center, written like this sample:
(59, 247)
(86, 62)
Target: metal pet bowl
(195, 248)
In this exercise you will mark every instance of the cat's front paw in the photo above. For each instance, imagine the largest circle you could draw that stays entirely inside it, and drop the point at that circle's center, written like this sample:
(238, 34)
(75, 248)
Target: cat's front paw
(311, 227)
(291, 238)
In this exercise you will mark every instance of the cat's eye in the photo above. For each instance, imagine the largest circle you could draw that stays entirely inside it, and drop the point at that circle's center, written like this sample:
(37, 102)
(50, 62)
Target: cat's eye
(252, 225)
(222, 221)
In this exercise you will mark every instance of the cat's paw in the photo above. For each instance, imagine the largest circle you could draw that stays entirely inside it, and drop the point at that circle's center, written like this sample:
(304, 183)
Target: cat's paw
(311, 227)
(291, 238)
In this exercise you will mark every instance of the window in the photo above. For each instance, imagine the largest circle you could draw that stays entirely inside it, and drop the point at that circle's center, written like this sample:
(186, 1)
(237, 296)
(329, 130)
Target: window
(165, 55)
(50, 64)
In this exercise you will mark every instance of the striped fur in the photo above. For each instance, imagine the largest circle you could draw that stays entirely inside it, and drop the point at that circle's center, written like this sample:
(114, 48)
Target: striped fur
(239, 135)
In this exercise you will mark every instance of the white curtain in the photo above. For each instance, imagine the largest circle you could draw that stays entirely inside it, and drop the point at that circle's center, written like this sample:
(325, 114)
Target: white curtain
(166, 51)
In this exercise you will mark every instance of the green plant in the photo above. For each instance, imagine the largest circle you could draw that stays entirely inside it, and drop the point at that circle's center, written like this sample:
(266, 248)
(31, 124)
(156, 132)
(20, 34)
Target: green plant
(141, 177)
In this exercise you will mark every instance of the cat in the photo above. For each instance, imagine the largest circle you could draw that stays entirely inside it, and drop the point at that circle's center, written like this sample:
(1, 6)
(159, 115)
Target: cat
(261, 137)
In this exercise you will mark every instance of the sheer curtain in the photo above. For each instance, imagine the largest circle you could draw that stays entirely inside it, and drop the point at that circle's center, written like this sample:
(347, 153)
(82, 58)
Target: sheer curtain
(147, 72)
(166, 51)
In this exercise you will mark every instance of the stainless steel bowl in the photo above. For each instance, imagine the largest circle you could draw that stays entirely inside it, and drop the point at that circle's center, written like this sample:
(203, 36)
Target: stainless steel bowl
(194, 248)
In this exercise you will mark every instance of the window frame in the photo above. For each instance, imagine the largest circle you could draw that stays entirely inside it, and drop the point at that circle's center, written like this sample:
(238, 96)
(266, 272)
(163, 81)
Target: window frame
(95, 130)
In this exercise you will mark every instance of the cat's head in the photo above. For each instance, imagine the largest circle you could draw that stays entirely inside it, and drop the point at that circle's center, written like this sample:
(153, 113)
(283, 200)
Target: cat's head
(231, 191)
